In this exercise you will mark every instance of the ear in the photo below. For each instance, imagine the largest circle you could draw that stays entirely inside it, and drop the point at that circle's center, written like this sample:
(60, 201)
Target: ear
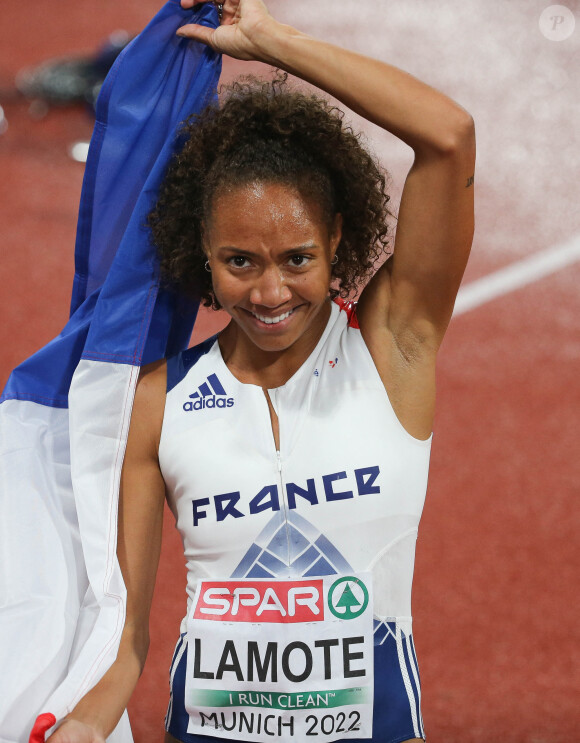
(204, 241)
(335, 233)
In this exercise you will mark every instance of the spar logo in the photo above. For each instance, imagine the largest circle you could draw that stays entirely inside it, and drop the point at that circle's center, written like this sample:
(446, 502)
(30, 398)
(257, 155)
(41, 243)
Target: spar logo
(261, 601)
(210, 394)
(348, 598)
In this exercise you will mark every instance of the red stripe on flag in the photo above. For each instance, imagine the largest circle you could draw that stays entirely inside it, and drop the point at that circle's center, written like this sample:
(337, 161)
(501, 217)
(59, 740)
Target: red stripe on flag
(42, 724)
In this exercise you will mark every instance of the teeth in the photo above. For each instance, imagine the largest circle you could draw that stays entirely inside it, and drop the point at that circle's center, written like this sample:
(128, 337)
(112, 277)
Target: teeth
(272, 320)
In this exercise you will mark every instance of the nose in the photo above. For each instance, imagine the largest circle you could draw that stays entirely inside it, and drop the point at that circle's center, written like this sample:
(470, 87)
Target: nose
(270, 289)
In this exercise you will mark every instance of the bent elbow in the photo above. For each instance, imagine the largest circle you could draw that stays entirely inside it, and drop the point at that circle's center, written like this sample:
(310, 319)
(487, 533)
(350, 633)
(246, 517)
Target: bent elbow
(461, 138)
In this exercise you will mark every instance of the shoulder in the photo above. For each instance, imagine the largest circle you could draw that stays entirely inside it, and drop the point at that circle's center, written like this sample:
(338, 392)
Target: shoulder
(350, 310)
(148, 406)
(152, 380)
(179, 365)
(405, 365)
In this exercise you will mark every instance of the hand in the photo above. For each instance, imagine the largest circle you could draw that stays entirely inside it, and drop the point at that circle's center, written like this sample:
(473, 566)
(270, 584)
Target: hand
(73, 731)
(242, 24)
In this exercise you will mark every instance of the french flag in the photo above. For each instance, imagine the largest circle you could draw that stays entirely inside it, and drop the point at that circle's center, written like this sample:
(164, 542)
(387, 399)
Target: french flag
(65, 412)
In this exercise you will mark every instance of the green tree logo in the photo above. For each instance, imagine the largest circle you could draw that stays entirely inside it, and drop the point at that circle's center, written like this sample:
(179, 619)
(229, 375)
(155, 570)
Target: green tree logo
(351, 601)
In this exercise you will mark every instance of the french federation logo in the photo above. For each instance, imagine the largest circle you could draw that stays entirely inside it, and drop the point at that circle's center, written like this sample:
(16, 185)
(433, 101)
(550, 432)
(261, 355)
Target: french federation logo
(348, 598)
(210, 394)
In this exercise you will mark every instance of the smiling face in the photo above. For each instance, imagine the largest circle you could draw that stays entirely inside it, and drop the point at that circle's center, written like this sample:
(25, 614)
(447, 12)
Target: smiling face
(270, 252)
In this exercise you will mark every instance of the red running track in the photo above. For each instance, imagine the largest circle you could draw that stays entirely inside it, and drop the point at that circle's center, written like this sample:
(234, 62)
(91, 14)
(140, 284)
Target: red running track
(495, 600)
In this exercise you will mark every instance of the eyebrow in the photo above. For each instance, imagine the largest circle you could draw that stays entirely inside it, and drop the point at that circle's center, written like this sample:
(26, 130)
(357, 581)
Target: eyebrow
(291, 251)
(303, 248)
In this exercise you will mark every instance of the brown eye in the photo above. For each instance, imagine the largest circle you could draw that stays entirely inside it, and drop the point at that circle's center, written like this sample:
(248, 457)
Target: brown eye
(239, 261)
(299, 260)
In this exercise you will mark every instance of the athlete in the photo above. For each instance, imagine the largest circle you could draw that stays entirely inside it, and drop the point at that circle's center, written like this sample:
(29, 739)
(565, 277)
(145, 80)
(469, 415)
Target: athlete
(293, 448)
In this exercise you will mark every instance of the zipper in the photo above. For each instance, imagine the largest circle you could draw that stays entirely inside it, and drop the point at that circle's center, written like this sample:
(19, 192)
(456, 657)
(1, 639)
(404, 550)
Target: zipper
(282, 494)
(284, 504)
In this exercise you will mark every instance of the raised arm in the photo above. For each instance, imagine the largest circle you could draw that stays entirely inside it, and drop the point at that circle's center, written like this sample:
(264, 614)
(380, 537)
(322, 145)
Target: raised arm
(405, 309)
(140, 522)
(435, 225)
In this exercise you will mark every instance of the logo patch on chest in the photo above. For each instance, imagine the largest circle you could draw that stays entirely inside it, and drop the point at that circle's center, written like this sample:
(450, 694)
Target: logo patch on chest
(210, 394)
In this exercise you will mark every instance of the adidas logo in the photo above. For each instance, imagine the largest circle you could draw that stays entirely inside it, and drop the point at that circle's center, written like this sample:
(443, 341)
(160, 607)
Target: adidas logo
(210, 394)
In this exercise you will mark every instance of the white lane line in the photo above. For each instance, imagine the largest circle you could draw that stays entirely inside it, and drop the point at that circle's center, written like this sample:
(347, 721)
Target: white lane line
(516, 275)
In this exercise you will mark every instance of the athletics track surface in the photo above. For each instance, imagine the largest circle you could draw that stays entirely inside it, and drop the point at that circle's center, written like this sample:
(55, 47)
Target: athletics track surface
(496, 583)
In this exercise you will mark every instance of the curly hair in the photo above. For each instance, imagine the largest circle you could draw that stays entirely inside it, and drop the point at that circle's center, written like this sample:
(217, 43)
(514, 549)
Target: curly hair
(267, 131)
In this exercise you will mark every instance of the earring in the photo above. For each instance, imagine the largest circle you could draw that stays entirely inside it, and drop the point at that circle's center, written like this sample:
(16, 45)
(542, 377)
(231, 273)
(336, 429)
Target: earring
(334, 261)
(207, 267)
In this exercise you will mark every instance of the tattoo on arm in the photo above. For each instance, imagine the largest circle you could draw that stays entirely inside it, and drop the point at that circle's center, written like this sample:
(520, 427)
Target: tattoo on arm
(469, 181)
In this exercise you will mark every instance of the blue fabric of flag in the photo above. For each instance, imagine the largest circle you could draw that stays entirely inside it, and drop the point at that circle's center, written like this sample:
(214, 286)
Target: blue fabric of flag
(65, 411)
(118, 312)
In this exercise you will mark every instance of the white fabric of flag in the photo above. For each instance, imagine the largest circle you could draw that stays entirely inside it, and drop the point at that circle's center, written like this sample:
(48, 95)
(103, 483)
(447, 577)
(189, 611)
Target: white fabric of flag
(65, 412)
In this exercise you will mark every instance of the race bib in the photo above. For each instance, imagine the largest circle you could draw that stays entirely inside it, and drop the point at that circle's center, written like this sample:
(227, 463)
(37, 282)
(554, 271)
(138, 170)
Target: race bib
(285, 659)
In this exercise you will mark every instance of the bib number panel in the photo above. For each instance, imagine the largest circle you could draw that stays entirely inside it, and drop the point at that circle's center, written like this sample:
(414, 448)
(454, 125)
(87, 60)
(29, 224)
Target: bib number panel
(285, 659)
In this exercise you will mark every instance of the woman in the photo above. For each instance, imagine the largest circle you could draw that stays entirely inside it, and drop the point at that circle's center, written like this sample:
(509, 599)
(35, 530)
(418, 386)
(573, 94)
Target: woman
(296, 444)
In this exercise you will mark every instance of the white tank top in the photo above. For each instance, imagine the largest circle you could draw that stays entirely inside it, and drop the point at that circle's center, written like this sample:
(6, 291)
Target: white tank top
(344, 493)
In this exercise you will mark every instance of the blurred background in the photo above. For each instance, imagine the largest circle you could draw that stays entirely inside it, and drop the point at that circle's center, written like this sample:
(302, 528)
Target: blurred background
(496, 582)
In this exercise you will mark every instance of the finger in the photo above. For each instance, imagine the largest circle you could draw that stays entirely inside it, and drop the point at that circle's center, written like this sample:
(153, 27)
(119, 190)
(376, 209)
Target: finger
(196, 32)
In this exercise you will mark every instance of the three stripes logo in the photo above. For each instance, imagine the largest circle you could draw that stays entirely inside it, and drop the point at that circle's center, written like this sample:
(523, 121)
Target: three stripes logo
(210, 394)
